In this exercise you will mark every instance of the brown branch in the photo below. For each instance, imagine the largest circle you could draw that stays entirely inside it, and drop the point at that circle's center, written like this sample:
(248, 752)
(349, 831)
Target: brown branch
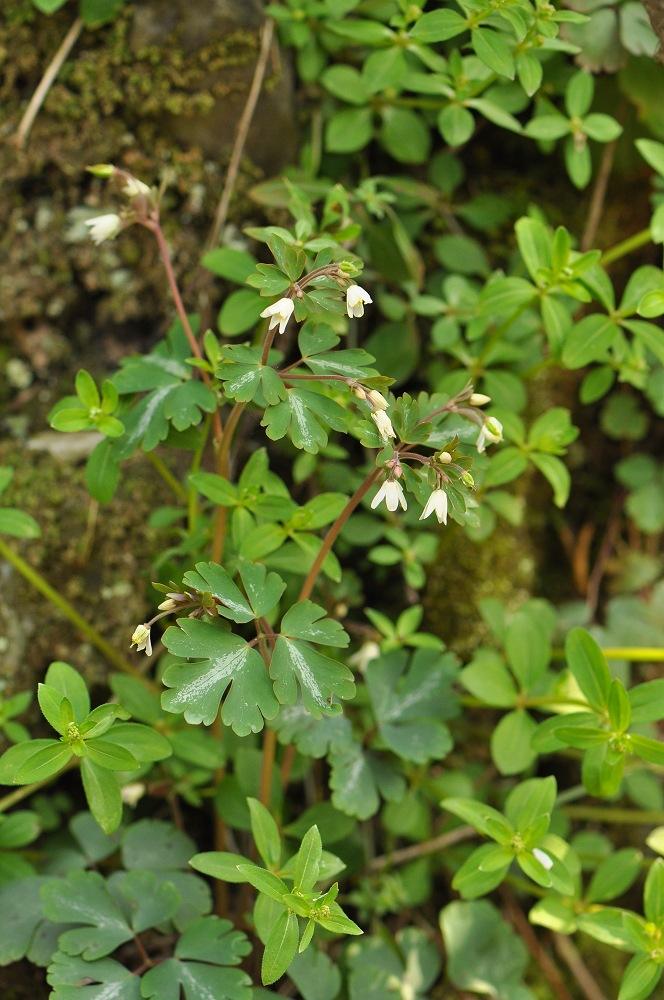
(548, 968)
(584, 979)
(48, 79)
(598, 197)
(422, 850)
(267, 34)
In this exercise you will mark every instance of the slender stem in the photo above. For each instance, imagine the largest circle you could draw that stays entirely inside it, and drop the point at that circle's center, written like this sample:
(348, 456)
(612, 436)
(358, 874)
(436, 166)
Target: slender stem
(244, 124)
(609, 814)
(636, 654)
(333, 533)
(192, 495)
(36, 580)
(626, 246)
(46, 82)
(25, 791)
(547, 966)
(405, 854)
(598, 196)
(267, 765)
(160, 466)
(570, 956)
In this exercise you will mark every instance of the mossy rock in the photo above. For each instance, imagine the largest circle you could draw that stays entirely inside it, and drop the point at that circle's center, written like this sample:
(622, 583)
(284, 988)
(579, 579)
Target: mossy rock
(159, 92)
(98, 559)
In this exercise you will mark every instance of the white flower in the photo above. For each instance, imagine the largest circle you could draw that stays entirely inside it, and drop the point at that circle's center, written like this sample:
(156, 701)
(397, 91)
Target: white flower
(367, 652)
(377, 399)
(479, 399)
(133, 188)
(104, 227)
(543, 858)
(132, 794)
(279, 313)
(444, 458)
(141, 639)
(491, 433)
(392, 493)
(384, 425)
(436, 504)
(356, 299)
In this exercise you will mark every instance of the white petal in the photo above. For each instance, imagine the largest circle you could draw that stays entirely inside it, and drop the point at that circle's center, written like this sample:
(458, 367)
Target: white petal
(380, 496)
(543, 858)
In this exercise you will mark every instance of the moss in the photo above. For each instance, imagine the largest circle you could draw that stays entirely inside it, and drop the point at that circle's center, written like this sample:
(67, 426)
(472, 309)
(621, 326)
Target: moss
(99, 561)
(109, 104)
(503, 566)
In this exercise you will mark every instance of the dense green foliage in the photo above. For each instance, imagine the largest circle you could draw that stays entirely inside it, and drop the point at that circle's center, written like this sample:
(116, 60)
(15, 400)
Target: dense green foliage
(300, 741)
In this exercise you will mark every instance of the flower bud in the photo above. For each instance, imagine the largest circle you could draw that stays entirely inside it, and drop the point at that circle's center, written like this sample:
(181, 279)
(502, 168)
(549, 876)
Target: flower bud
(104, 170)
(359, 391)
(479, 399)
(377, 399)
(444, 457)
(467, 479)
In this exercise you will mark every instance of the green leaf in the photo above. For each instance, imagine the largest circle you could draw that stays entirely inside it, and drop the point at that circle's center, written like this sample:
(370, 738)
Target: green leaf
(280, 948)
(18, 829)
(653, 897)
(103, 979)
(306, 620)
(557, 475)
(405, 135)
(264, 881)
(487, 678)
(206, 946)
(601, 128)
(505, 466)
(614, 875)
(653, 153)
(102, 792)
(98, 12)
(492, 49)
(620, 710)
(640, 978)
(307, 861)
(346, 83)
(438, 26)
(215, 488)
(511, 743)
(305, 416)
(34, 760)
(106, 754)
(240, 312)
(530, 802)
(86, 390)
(220, 864)
(265, 833)
(211, 578)
(223, 660)
(484, 953)
(579, 94)
(587, 663)
(71, 686)
(142, 742)
(18, 524)
(349, 130)
(83, 898)
(226, 262)
(102, 472)
(411, 696)
(320, 679)
(484, 818)
(589, 340)
(456, 124)
(358, 780)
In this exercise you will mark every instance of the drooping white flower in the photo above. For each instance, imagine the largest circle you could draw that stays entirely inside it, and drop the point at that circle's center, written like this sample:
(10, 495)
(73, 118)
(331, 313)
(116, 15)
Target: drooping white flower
(367, 652)
(479, 399)
(384, 425)
(491, 433)
(133, 188)
(279, 313)
(377, 399)
(392, 493)
(141, 639)
(104, 227)
(436, 504)
(543, 858)
(133, 793)
(356, 299)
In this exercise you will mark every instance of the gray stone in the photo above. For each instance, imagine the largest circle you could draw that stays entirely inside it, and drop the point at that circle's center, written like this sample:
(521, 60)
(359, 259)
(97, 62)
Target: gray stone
(192, 27)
